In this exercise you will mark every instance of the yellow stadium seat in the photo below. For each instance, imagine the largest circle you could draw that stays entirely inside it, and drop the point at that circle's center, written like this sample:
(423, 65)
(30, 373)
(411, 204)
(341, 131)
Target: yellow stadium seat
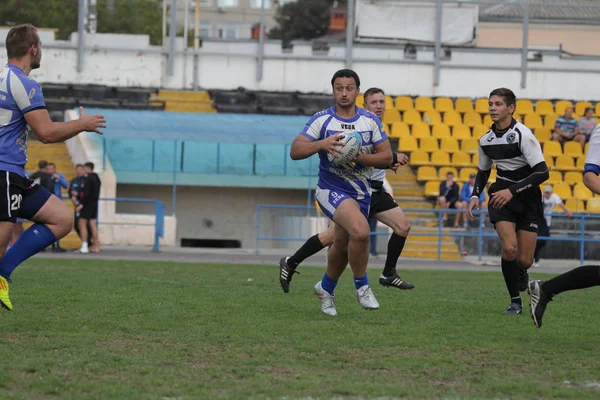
(440, 131)
(450, 145)
(464, 105)
(419, 157)
(421, 130)
(480, 130)
(464, 173)
(549, 161)
(493, 175)
(564, 163)
(432, 117)
(440, 158)
(443, 104)
(472, 119)
(573, 177)
(563, 190)
(581, 192)
(587, 146)
(593, 205)
(404, 103)
(544, 107)
(482, 106)
(452, 118)
(555, 177)
(573, 149)
(461, 159)
(444, 171)
(533, 121)
(427, 173)
(423, 103)
(429, 144)
(400, 129)
(550, 121)
(432, 189)
(581, 106)
(411, 116)
(476, 159)
(597, 113)
(487, 121)
(461, 132)
(389, 103)
(390, 116)
(562, 105)
(542, 134)
(574, 205)
(580, 163)
(524, 106)
(360, 100)
(408, 144)
(470, 146)
(552, 149)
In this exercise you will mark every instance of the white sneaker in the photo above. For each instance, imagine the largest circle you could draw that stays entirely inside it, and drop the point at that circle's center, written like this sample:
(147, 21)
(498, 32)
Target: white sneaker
(327, 306)
(84, 249)
(535, 264)
(366, 298)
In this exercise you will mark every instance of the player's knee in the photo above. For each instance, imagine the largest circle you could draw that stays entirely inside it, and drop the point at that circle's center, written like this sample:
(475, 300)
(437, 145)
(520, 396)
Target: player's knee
(525, 263)
(402, 228)
(63, 226)
(326, 238)
(509, 252)
(360, 234)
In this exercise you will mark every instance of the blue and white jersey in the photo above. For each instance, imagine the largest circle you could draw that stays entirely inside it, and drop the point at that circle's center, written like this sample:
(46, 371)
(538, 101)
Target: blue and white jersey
(352, 179)
(592, 161)
(19, 94)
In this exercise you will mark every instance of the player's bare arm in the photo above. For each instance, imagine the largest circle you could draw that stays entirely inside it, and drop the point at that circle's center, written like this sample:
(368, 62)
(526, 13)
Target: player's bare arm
(48, 131)
(303, 147)
(480, 181)
(592, 181)
(382, 158)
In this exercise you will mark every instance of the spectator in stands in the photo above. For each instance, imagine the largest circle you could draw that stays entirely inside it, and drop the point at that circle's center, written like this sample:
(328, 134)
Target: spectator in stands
(88, 209)
(42, 177)
(587, 123)
(449, 197)
(465, 195)
(565, 128)
(75, 190)
(59, 182)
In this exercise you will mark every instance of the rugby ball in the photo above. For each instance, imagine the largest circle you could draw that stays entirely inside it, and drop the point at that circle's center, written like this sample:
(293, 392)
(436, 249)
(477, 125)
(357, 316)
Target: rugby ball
(351, 148)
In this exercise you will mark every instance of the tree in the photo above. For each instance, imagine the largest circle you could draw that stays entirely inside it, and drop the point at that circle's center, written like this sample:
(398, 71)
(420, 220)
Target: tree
(56, 14)
(131, 16)
(304, 19)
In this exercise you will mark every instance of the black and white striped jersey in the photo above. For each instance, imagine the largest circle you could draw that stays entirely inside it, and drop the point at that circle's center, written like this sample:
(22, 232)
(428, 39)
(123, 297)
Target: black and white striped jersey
(515, 152)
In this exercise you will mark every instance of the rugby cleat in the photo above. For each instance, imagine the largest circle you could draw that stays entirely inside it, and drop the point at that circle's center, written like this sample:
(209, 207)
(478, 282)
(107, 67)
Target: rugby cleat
(537, 302)
(4, 299)
(395, 281)
(327, 300)
(366, 298)
(513, 309)
(285, 274)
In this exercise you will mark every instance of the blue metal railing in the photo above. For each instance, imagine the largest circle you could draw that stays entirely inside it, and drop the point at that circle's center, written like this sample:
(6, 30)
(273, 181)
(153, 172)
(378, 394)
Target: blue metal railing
(292, 224)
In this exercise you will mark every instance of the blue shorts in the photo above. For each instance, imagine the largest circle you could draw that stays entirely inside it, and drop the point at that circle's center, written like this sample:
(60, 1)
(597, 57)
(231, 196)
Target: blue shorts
(20, 197)
(330, 199)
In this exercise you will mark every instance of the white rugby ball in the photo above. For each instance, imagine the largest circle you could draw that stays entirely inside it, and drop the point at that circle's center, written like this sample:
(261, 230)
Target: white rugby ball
(351, 148)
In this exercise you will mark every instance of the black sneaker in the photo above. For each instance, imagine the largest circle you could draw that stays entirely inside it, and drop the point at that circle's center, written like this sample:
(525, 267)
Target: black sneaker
(523, 280)
(285, 274)
(395, 281)
(513, 309)
(537, 302)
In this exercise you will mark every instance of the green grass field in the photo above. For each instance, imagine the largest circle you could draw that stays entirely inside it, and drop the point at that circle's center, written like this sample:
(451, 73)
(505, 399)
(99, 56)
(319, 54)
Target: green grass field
(143, 330)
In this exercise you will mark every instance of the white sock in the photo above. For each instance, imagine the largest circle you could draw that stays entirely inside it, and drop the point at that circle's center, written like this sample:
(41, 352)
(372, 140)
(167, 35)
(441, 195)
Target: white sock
(84, 246)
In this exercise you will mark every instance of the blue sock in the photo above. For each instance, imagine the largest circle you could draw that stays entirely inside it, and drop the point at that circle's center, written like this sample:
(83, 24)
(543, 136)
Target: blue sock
(32, 241)
(328, 284)
(360, 282)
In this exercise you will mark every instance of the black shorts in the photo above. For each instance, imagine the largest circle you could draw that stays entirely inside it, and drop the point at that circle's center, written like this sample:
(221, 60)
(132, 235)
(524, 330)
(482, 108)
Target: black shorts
(524, 209)
(381, 201)
(20, 197)
(89, 211)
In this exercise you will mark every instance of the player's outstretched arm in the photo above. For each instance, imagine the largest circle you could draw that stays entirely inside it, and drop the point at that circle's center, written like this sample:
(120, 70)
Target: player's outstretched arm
(592, 181)
(382, 158)
(303, 147)
(48, 131)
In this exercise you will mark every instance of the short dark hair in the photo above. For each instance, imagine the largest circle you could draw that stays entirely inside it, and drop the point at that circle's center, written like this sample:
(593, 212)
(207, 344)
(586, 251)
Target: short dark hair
(51, 164)
(346, 73)
(372, 91)
(449, 173)
(42, 164)
(507, 94)
(79, 165)
(588, 109)
(19, 39)
(89, 164)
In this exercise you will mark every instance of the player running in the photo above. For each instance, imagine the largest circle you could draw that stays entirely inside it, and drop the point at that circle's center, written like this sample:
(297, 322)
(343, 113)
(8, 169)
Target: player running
(586, 276)
(383, 208)
(22, 104)
(344, 191)
(515, 205)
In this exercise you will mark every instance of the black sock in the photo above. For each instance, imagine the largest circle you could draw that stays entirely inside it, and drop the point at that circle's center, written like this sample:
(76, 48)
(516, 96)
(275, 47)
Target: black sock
(310, 247)
(395, 246)
(579, 278)
(510, 271)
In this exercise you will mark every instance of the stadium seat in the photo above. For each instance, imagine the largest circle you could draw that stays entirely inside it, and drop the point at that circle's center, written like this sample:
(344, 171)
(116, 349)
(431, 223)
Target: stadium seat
(482, 106)
(581, 106)
(470, 146)
(555, 177)
(472, 119)
(444, 171)
(429, 144)
(480, 130)
(440, 131)
(461, 159)
(542, 134)
(562, 105)
(573, 149)
(421, 130)
(432, 117)
(432, 189)
(552, 149)
(573, 177)
(533, 121)
(550, 121)
(587, 146)
(427, 173)
(493, 175)
(400, 129)
(464, 105)
(476, 159)
(404, 103)
(450, 145)
(389, 103)
(544, 107)
(443, 104)
(461, 132)
(390, 116)
(524, 106)
(581, 192)
(563, 190)
(564, 163)
(597, 112)
(423, 103)
(593, 205)
(464, 173)
(574, 205)
(580, 163)
(408, 144)
(419, 157)
(487, 121)
(440, 158)
(549, 161)
(411, 116)
(452, 118)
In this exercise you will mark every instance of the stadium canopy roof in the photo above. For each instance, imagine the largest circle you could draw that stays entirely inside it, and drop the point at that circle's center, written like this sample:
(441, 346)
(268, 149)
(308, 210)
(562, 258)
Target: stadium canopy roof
(555, 11)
